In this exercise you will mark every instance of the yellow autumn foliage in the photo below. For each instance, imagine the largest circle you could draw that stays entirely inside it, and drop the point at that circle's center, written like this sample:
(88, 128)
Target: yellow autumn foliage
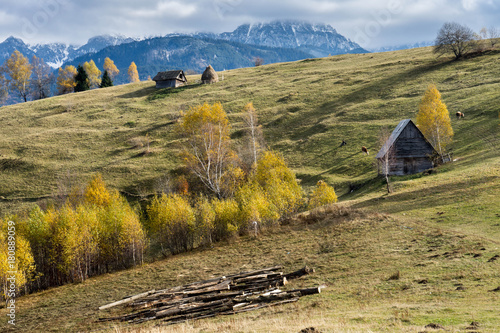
(133, 74)
(93, 74)
(66, 80)
(19, 69)
(322, 195)
(279, 183)
(16, 259)
(109, 65)
(227, 214)
(172, 222)
(207, 151)
(433, 120)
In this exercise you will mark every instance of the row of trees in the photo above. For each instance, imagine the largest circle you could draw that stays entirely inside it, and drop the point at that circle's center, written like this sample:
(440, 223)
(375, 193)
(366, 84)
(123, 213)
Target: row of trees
(461, 40)
(35, 80)
(94, 232)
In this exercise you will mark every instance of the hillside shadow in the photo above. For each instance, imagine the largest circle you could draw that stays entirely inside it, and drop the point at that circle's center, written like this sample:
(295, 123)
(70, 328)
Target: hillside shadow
(139, 93)
(432, 196)
(167, 92)
(381, 88)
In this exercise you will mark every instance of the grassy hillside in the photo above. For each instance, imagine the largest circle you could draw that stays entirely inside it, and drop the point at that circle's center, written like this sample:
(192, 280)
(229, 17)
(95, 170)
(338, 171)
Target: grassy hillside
(439, 231)
(306, 107)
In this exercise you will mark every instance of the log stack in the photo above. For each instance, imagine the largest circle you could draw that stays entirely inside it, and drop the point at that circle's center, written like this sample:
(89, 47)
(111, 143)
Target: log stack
(225, 295)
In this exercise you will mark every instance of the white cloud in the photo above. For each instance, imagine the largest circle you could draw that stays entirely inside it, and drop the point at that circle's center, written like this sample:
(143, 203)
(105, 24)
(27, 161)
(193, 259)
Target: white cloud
(76, 21)
(469, 4)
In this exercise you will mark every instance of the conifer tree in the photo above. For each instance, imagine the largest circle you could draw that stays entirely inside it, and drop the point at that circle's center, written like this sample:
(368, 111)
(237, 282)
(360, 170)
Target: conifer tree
(433, 119)
(106, 80)
(81, 79)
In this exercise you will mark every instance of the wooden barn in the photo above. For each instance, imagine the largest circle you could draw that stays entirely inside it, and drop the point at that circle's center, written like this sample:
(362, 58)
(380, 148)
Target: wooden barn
(171, 79)
(406, 151)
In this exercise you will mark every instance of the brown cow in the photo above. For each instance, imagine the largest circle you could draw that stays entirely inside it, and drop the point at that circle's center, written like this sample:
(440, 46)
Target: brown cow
(365, 150)
(459, 115)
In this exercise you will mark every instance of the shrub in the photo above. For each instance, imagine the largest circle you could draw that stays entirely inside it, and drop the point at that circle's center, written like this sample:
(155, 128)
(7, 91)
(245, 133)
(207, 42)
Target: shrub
(172, 222)
(322, 195)
(255, 206)
(227, 215)
(279, 183)
(205, 220)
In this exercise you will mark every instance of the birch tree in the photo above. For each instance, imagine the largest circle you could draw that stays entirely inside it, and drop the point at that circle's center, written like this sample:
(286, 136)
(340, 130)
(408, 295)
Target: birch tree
(93, 74)
(110, 67)
(387, 161)
(254, 130)
(433, 120)
(19, 69)
(207, 151)
(42, 78)
(133, 75)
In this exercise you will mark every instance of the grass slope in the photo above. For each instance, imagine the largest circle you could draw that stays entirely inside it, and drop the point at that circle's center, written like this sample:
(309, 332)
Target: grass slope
(306, 107)
(439, 231)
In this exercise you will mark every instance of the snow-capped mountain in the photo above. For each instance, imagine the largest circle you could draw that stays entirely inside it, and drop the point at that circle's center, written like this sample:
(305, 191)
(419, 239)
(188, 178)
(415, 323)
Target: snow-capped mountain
(10, 45)
(56, 54)
(317, 39)
(402, 47)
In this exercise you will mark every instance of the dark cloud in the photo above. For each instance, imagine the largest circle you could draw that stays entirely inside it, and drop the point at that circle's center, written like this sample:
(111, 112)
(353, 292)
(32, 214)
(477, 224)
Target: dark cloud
(372, 23)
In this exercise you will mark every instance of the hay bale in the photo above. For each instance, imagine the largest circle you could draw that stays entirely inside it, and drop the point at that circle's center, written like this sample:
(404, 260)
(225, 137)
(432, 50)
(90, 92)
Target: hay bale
(209, 76)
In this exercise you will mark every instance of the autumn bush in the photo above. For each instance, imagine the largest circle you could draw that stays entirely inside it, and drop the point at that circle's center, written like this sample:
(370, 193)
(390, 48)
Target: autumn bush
(322, 195)
(227, 215)
(279, 183)
(205, 220)
(255, 206)
(172, 223)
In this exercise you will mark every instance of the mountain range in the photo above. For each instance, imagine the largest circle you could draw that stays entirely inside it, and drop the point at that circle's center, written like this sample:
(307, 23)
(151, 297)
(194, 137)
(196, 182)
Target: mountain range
(273, 42)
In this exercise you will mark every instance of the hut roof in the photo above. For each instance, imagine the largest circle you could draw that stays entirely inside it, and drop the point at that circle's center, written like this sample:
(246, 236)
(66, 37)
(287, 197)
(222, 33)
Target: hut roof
(395, 135)
(170, 75)
(210, 75)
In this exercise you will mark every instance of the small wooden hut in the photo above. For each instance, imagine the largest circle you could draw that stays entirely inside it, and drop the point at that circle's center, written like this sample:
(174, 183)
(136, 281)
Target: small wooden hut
(171, 79)
(209, 76)
(406, 151)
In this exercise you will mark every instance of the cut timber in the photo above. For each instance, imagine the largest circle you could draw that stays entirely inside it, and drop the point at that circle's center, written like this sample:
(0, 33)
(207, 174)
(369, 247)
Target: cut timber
(126, 300)
(242, 292)
(301, 272)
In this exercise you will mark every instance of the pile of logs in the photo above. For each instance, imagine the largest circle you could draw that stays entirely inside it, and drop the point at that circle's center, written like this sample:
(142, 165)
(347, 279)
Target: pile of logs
(225, 295)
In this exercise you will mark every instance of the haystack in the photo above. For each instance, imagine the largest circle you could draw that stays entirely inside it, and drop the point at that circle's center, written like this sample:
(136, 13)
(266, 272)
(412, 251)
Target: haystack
(209, 76)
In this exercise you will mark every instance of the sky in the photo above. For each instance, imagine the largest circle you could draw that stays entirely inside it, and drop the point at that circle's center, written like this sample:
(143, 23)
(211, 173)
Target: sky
(370, 23)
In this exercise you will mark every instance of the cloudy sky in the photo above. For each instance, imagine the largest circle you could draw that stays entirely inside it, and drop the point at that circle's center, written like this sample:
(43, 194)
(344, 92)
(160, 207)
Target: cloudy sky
(371, 23)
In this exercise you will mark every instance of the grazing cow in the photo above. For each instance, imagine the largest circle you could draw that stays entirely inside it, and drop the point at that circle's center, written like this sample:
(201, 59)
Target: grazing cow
(343, 143)
(364, 150)
(459, 115)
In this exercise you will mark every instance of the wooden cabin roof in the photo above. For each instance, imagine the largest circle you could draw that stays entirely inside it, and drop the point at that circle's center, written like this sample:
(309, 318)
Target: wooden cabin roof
(402, 126)
(170, 75)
